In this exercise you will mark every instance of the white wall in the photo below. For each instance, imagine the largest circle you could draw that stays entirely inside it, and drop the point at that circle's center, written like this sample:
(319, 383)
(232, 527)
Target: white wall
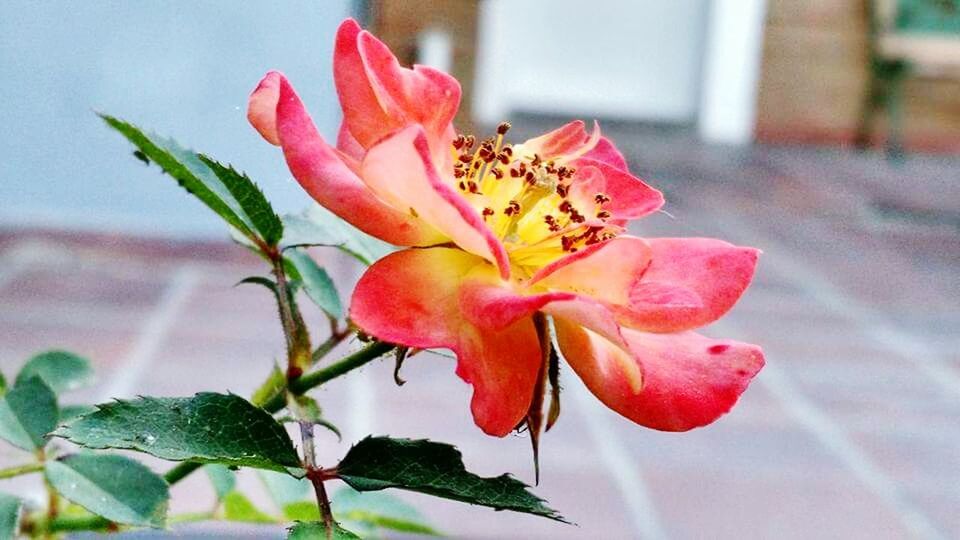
(181, 68)
(637, 59)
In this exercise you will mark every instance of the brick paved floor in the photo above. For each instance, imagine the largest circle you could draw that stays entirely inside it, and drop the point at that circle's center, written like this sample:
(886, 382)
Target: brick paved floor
(852, 430)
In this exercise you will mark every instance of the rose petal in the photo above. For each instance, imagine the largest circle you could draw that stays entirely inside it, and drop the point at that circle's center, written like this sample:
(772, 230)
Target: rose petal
(348, 144)
(413, 298)
(324, 172)
(593, 316)
(400, 171)
(606, 271)
(689, 380)
(606, 152)
(489, 302)
(262, 107)
(630, 197)
(681, 272)
(569, 140)
(378, 96)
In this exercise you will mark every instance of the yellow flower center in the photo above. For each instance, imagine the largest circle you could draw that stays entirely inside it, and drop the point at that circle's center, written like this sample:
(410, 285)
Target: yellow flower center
(526, 200)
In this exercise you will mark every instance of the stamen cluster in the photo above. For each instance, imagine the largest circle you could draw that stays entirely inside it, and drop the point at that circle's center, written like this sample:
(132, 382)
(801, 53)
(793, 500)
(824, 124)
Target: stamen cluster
(507, 186)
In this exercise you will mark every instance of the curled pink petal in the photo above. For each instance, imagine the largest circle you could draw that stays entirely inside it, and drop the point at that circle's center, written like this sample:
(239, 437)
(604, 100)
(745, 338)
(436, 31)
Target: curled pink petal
(568, 140)
(379, 96)
(262, 107)
(325, 174)
(690, 283)
(606, 152)
(689, 380)
(401, 171)
(630, 197)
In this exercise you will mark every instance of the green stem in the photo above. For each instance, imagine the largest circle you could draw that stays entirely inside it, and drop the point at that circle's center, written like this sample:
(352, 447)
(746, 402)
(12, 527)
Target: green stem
(180, 471)
(303, 384)
(78, 523)
(347, 363)
(286, 312)
(10, 472)
(336, 337)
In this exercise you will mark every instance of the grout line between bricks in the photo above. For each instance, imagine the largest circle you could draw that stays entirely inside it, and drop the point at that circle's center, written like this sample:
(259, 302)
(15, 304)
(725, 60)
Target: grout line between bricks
(835, 439)
(829, 433)
(182, 283)
(621, 466)
(866, 318)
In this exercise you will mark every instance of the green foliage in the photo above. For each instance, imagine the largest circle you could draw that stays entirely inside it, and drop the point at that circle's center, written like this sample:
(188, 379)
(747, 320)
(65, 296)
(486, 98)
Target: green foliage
(370, 513)
(3, 384)
(317, 530)
(69, 412)
(208, 427)
(236, 507)
(61, 370)
(317, 226)
(274, 384)
(28, 413)
(10, 508)
(222, 478)
(232, 196)
(254, 204)
(435, 469)
(115, 487)
(316, 282)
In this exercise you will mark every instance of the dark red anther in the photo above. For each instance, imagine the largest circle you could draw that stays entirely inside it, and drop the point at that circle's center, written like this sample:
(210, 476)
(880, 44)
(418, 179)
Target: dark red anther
(497, 173)
(503, 128)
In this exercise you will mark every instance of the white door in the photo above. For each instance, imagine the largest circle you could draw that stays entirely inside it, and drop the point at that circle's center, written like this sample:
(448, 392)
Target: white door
(632, 59)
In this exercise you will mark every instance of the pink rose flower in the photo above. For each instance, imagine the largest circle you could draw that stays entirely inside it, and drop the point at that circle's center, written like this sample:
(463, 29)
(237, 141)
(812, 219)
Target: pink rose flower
(498, 232)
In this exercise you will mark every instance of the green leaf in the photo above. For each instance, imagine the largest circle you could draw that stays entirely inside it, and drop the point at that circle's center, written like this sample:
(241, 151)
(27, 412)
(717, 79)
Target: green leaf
(274, 384)
(115, 487)
(283, 488)
(61, 370)
(317, 226)
(301, 511)
(317, 283)
(369, 512)
(236, 507)
(208, 427)
(435, 469)
(250, 199)
(70, 412)
(187, 169)
(3, 384)
(317, 530)
(10, 508)
(27, 414)
(223, 479)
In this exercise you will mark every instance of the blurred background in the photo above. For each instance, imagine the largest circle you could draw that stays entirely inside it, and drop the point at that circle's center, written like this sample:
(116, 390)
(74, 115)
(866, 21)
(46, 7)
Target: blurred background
(825, 132)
